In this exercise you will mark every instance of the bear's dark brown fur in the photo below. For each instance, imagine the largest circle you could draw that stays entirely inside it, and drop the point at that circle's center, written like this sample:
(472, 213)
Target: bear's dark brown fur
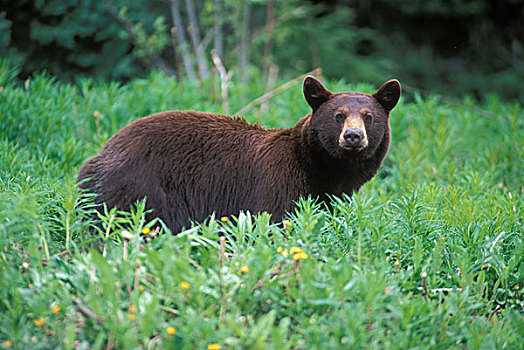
(191, 164)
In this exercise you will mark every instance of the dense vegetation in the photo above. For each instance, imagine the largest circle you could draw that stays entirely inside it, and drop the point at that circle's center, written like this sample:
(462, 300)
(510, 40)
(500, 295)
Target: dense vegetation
(427, 255)
(455, 47)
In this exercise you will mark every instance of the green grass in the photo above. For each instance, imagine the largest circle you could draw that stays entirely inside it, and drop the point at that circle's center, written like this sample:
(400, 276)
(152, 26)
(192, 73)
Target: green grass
(428, 255)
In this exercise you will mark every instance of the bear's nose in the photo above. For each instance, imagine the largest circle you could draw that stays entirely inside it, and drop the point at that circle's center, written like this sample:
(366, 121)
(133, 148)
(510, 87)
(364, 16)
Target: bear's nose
(353, 136)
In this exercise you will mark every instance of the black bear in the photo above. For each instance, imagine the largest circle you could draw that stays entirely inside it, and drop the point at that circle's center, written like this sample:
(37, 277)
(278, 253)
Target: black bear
(190, 164)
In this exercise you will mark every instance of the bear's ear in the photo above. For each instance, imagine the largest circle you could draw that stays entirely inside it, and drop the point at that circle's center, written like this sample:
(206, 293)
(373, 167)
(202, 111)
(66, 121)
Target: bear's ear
(314, 92)
(388, 94)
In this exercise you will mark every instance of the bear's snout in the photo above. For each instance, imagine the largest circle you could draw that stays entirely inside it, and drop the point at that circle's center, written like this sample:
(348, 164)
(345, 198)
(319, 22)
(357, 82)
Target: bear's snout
(353, 136)
(353, 139)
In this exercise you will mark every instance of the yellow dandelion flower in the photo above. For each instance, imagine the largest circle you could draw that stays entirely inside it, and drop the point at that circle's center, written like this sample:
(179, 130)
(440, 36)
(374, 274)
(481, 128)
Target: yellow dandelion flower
(56, 309)
(185, 285)
(295, 250)
(516, 287)
(39, 322)
(224, 219)
(397, 263)
(284, 252)
(132, 308)
(244, 269)
(146, 230)
(213, 346)
(141, 288)
(485, 266)
(171, 330)
(280, 249)
(132, 317)
(7, 343)
(287, 223)
(300, 256)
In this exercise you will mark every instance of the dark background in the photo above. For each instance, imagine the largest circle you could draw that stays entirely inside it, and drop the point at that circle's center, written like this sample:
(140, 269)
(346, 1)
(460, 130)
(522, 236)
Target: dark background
(451, 47)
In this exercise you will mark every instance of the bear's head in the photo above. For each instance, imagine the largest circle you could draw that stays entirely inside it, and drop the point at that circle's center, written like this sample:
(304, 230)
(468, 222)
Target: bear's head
(349, 124)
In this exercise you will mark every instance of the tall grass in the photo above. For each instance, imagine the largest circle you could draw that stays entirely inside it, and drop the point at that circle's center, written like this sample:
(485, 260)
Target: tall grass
(429, 254)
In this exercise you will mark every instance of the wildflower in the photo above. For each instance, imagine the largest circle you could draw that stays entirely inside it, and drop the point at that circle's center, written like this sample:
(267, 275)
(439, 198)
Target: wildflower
(56, 309)
(295, 250)
(132, 308)
(279, 250)
(224, 219)
(126, 234)
(300, 256)
(287, 223)
(485, 266)
(284, 252)
(132, 317)
(7, 343)
(244, 269)
(397, 263)
(516, 287)
(141, 288)
(185, 285)
(213, 346)
(171, 330)
(39, 321)
(146, 230)
(96, 114)
(386, 290)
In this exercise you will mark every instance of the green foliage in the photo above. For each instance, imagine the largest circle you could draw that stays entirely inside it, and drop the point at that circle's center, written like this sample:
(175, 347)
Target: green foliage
(429, 254)
(453, 47)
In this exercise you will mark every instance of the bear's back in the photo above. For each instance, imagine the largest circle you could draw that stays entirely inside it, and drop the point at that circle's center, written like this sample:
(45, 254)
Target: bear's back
(187, 164)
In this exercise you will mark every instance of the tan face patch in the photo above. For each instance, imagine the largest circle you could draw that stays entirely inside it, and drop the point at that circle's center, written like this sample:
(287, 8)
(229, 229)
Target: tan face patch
(353, 121)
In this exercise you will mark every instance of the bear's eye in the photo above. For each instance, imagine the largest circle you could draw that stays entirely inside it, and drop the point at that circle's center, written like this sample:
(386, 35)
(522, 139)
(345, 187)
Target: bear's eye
(368, 118)
(340, 117)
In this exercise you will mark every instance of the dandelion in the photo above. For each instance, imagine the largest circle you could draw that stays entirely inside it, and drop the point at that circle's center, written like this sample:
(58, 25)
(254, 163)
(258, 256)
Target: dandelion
(284, 252)
(300, 256)
(295, 250)
(132, 317)
(126, 235)
(280, 249)
(244, 269)
(287, 223)
(185, 285)
(141, 288)
(56, 309)
(39, 322)
(132, 308)
(224, 219)
(7, 343)
(397, 263)
(96, 114)
(516, 287)
(146, 230)
(213, 346)
(171, 330)
(485, 266)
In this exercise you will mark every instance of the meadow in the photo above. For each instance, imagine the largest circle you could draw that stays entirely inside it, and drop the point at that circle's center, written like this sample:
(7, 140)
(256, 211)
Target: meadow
(428, 255)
